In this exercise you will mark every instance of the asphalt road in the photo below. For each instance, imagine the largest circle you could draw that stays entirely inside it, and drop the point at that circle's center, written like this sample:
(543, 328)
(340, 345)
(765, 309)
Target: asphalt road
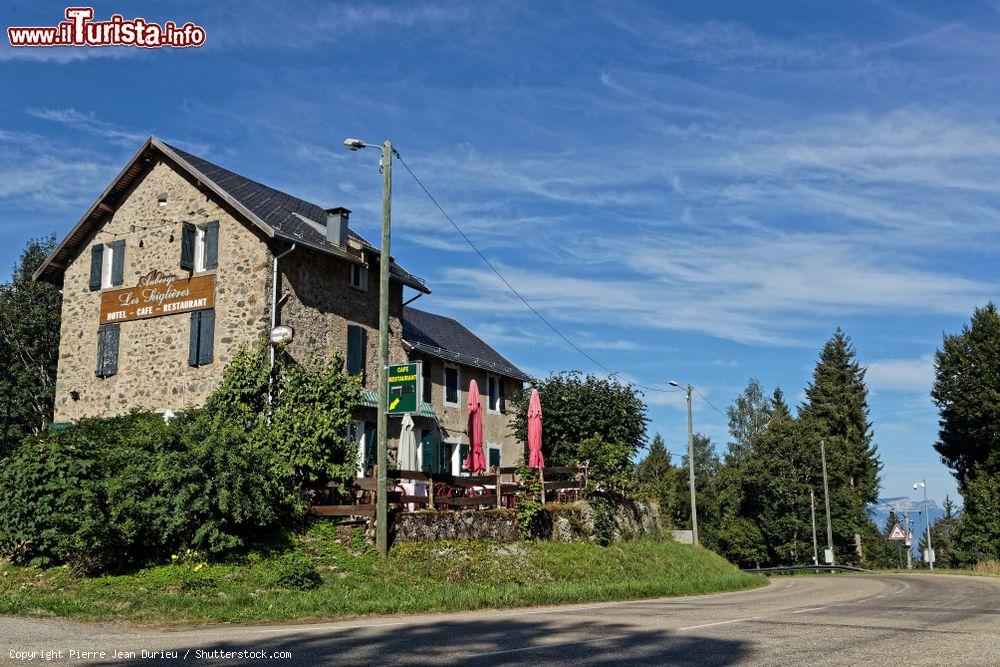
(908, 619)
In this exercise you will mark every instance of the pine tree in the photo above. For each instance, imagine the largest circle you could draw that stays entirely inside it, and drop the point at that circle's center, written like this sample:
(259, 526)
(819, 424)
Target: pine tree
(966, 387)
(836, 413)
(657, 478)
(748, 419)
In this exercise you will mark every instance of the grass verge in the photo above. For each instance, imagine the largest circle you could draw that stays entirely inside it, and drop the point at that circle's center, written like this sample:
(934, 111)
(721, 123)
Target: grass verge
(353, 581)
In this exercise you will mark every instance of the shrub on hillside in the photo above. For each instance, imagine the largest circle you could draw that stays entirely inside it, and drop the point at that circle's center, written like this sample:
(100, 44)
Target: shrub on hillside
(113, 494)
(296, 572)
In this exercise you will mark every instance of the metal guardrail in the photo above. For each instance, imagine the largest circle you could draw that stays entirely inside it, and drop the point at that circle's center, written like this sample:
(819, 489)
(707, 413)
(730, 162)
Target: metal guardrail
(806, 568)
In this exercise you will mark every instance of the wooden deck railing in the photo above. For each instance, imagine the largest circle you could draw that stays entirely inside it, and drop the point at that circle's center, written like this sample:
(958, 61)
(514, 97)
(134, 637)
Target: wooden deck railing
(499, 488)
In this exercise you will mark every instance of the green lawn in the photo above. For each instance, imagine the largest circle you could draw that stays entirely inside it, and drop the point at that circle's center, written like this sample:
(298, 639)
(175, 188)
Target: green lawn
(415, 578)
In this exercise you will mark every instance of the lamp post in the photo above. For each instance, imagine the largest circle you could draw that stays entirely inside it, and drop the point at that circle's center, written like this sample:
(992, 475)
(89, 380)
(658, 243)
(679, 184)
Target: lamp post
(381, 500)
(694, 506)
(922, 484)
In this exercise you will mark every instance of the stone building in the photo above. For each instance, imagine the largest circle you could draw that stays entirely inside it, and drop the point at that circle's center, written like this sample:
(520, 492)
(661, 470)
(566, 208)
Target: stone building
(179, 263)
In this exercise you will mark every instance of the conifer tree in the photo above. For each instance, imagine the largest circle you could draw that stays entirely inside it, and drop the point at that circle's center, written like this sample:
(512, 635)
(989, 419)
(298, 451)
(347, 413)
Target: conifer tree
(836, 412)
(657, 478)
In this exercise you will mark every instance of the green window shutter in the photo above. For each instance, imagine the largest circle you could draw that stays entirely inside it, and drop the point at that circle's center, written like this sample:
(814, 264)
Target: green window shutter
(206, 337)
(187, 246)
(355, 349)
(118, 262)
(111, 349)
(427, 451)
(503, 396)
(194, 338)
(494, 457)
(96, 263)
(212, 245)
(107, 349)
(463, 453)
(102, 335)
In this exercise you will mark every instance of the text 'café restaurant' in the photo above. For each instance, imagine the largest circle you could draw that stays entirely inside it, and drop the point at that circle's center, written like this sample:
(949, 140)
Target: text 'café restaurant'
(180, 262)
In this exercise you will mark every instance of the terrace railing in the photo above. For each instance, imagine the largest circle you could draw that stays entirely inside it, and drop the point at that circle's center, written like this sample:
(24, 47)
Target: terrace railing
(497, 489)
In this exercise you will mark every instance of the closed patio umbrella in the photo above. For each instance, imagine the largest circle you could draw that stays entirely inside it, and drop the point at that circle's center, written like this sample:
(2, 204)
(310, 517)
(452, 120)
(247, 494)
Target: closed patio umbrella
(475, 461)
(407, 459)
(535, 458)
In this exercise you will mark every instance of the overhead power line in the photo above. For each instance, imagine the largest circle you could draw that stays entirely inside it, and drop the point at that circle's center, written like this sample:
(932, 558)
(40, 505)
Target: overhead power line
(513, 290)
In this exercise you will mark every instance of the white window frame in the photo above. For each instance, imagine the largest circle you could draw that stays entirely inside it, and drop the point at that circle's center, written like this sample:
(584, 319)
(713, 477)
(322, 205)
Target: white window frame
(490, 446)
(200, 249)
(107, 260)
(361, 272)
(458, 386)
(489, 400)
(455, 456)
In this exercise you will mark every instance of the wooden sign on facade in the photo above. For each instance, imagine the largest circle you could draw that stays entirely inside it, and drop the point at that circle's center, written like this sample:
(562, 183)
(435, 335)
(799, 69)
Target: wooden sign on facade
(158, 294)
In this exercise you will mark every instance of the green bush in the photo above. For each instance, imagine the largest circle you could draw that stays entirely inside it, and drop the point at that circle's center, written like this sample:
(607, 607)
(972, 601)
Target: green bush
(50, 508)
(114, 494)
(296, 572)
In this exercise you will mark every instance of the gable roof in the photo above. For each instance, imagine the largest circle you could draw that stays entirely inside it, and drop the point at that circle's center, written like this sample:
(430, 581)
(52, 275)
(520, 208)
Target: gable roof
(275, 213)
(449, 339)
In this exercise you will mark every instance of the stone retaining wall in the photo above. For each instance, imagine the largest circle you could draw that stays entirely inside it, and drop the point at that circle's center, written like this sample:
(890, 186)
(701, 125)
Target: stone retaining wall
(563, 523)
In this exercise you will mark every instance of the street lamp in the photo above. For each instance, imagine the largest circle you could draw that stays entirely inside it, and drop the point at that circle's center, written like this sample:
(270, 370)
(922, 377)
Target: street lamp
(922, 484)
(381, 499)
(694, 506)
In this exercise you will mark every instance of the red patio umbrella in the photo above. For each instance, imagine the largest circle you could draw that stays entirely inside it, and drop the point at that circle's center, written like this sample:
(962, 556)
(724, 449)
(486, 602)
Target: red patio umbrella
(475, 461)
(535, 459)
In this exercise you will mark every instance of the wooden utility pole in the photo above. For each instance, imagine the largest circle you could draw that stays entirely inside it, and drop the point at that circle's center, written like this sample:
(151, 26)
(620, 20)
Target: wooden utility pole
(826, 498)
(381, 498)
(812, 505)
(694, 505)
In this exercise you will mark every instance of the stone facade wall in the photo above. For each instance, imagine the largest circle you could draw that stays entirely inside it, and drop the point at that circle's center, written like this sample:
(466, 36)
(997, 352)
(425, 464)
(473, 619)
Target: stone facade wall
(572, 522)
(453, 419)
(153, 371)
(320, 305)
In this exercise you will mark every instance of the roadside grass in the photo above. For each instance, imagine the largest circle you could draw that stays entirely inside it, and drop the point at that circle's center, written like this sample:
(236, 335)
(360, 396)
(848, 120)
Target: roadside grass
(415, 578)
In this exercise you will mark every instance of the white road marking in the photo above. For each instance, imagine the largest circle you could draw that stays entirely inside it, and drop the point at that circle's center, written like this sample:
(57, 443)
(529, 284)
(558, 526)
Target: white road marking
(709, 625)
(802, 611)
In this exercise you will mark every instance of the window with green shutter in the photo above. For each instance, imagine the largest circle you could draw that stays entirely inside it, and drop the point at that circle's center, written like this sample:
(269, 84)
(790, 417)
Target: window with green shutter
(96, 266)
(188, 234)
(356, 343)
(108, 336)
(117, 262)
(201, 344)
(427, 450)
(463, 454)
(494, 461)
(212, 245)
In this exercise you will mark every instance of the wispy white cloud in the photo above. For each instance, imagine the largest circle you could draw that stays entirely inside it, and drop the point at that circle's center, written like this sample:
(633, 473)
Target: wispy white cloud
(62, 55)
(90, 123)
(905, 375)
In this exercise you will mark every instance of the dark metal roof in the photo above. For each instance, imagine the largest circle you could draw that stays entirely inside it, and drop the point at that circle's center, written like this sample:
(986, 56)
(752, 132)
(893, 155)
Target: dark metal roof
(449, 339)
(276, 213)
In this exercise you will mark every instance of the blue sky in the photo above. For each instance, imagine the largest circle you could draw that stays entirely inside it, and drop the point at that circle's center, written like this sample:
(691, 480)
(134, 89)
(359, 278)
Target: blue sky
(692, 192)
